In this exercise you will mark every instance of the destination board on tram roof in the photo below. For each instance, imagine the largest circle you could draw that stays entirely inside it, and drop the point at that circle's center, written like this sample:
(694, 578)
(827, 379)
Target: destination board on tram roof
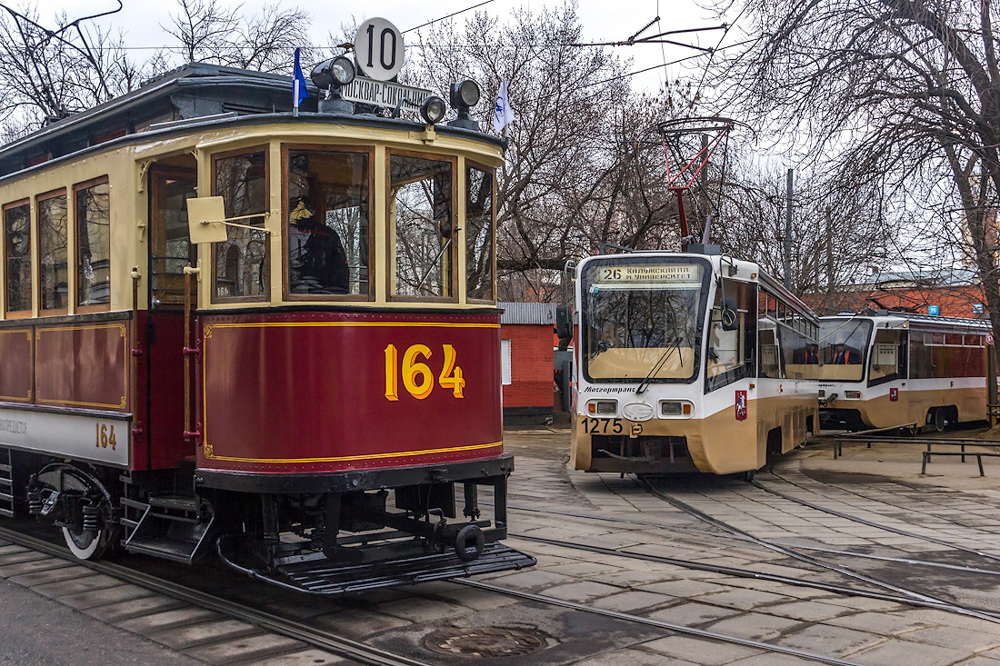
(667, 275)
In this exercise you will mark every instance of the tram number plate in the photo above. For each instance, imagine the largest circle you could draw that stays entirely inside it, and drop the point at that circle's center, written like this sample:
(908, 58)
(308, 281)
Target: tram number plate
(603, 426)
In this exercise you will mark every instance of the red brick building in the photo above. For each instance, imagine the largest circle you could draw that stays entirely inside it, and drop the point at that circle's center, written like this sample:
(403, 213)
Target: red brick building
(953, 292)
(527, 357)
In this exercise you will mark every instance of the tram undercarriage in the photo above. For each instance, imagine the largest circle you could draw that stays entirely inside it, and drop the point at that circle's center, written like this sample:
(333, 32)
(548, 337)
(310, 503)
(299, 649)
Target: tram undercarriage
(321, 542)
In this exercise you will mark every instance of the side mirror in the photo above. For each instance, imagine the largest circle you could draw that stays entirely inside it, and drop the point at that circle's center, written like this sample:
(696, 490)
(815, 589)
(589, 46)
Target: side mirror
(206, 220)
(730, 317)
(564, 325)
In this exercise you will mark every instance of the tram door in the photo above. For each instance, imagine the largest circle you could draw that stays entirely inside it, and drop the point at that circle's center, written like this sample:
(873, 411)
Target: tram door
(170, 250)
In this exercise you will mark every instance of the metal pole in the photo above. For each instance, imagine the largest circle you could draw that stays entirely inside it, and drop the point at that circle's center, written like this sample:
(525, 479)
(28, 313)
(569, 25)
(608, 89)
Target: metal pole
(788, 234)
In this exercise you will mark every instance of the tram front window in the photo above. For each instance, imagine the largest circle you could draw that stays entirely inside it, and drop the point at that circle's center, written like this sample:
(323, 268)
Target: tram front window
(420, 216)
(328, 204)
(642, 320)
(842, 345)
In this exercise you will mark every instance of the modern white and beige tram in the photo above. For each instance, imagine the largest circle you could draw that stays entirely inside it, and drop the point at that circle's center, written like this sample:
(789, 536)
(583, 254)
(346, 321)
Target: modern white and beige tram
(689, 362)
(901, 370)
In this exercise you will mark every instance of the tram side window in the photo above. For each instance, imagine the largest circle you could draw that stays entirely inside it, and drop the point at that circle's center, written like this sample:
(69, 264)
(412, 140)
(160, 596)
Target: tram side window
(799, 351)
(933, 356)
(240, 262)
(422, 219)
(888, 357)
(17, 248)
(479, 222)
(769, 352)
(93, 244)
(730, 343)
(53, 252)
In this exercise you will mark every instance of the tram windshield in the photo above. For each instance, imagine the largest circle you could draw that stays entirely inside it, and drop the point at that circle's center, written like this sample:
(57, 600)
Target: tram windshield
(642, 320)
(842, 347)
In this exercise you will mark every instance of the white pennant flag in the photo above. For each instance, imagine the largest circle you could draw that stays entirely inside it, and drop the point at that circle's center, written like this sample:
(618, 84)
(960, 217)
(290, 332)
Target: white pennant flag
(502, 113)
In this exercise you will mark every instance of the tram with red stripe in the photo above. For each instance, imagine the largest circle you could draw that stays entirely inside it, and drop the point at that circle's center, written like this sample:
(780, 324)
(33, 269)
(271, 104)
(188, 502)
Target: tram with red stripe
(234, 328)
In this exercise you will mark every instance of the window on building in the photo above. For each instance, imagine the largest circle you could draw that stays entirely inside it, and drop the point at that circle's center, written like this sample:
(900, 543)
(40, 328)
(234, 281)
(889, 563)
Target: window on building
(421, 217)
(240, 263)
(17, 256)
(479, 223)
(53, 253)
(93, 243)
(328, 222)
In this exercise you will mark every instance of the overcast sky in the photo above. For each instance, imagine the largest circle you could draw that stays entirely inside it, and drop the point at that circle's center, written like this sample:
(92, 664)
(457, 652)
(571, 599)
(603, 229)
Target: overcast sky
(142, 21)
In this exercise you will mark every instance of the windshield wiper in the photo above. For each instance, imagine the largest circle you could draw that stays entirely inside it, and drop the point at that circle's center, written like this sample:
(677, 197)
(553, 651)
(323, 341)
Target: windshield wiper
(675, 344)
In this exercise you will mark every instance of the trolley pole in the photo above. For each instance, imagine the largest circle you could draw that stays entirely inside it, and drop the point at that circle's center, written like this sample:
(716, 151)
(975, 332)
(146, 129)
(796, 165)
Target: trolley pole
(788, 234)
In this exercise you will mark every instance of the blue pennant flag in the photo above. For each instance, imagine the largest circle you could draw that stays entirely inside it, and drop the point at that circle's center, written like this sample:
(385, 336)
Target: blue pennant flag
(299, 91)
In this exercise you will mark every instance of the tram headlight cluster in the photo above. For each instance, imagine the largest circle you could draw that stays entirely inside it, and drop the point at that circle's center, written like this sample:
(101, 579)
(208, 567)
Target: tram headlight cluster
(852, 395)
(676, 408)
(602, 407)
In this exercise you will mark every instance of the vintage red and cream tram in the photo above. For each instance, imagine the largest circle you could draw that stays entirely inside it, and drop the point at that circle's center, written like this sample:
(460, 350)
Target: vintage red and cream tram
(321, 405)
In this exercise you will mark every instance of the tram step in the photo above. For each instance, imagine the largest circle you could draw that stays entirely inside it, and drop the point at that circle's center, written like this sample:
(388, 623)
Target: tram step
(176, 502)
(330, 578)
(180, 538)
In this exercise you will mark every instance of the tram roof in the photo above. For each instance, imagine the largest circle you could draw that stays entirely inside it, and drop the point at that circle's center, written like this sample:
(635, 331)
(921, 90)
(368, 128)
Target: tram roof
(181, 100)
(922, 321)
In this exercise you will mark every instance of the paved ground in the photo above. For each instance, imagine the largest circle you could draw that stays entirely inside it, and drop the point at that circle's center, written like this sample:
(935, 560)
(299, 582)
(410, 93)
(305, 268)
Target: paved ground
(933, 539)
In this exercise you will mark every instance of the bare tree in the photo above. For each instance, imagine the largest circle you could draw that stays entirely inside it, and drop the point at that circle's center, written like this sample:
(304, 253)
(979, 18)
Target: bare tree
(896, 95)
(264, 42)
(47, 73)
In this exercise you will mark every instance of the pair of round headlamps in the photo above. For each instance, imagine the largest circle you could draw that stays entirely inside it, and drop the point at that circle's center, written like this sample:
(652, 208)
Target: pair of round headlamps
(463, 95)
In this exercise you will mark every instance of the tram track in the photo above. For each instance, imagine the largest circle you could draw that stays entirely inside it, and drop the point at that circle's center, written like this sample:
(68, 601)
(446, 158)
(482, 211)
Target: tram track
(982, 614)
(748, 540)
(324, 640)
(669, 626)
(868, 523)
(358, 651)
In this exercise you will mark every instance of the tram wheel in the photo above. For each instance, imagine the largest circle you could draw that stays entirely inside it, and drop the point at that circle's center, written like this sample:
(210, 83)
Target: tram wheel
(938, 419)
(748, 475)
(85, 544)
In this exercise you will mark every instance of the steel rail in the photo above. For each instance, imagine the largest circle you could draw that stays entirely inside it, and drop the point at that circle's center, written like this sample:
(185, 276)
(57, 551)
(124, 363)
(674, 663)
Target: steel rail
(862, 521)
(736, 537)
(638, 619)
(339, 645)
(844, 571)
(756, 575)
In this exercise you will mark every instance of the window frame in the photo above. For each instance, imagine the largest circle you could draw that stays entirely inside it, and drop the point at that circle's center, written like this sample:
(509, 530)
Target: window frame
(32, 241)
(471, 164)
(390, 228)
(263, 148)
(70, 219)
(77, 188)
(369, 150)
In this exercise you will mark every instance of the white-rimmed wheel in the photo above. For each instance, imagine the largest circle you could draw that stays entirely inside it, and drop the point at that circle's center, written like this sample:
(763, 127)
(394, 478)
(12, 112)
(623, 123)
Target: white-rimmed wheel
(81, 504)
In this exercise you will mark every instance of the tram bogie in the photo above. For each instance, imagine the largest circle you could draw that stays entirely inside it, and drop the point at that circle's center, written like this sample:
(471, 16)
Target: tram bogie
(900, 370)
(312, 394)
(688, 363)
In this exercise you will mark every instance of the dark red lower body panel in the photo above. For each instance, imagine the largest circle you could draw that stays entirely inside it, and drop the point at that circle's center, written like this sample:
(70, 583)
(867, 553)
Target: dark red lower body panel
(319, 392)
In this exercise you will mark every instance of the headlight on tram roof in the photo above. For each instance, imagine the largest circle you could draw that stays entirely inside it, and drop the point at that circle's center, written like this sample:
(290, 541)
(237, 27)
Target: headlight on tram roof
(852, 395)
(676, 408)
(432, 110)
(603, 407)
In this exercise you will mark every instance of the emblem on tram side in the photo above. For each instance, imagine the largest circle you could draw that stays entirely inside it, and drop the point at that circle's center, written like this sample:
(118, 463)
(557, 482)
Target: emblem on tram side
(893, 395)
(741, 405)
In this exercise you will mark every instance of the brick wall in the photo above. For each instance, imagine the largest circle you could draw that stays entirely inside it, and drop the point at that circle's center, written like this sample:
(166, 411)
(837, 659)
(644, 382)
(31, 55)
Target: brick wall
(531, 369)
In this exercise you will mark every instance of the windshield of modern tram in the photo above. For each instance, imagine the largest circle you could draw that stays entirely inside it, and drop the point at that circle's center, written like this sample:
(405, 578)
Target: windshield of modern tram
(642, 319)
(842, 347)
